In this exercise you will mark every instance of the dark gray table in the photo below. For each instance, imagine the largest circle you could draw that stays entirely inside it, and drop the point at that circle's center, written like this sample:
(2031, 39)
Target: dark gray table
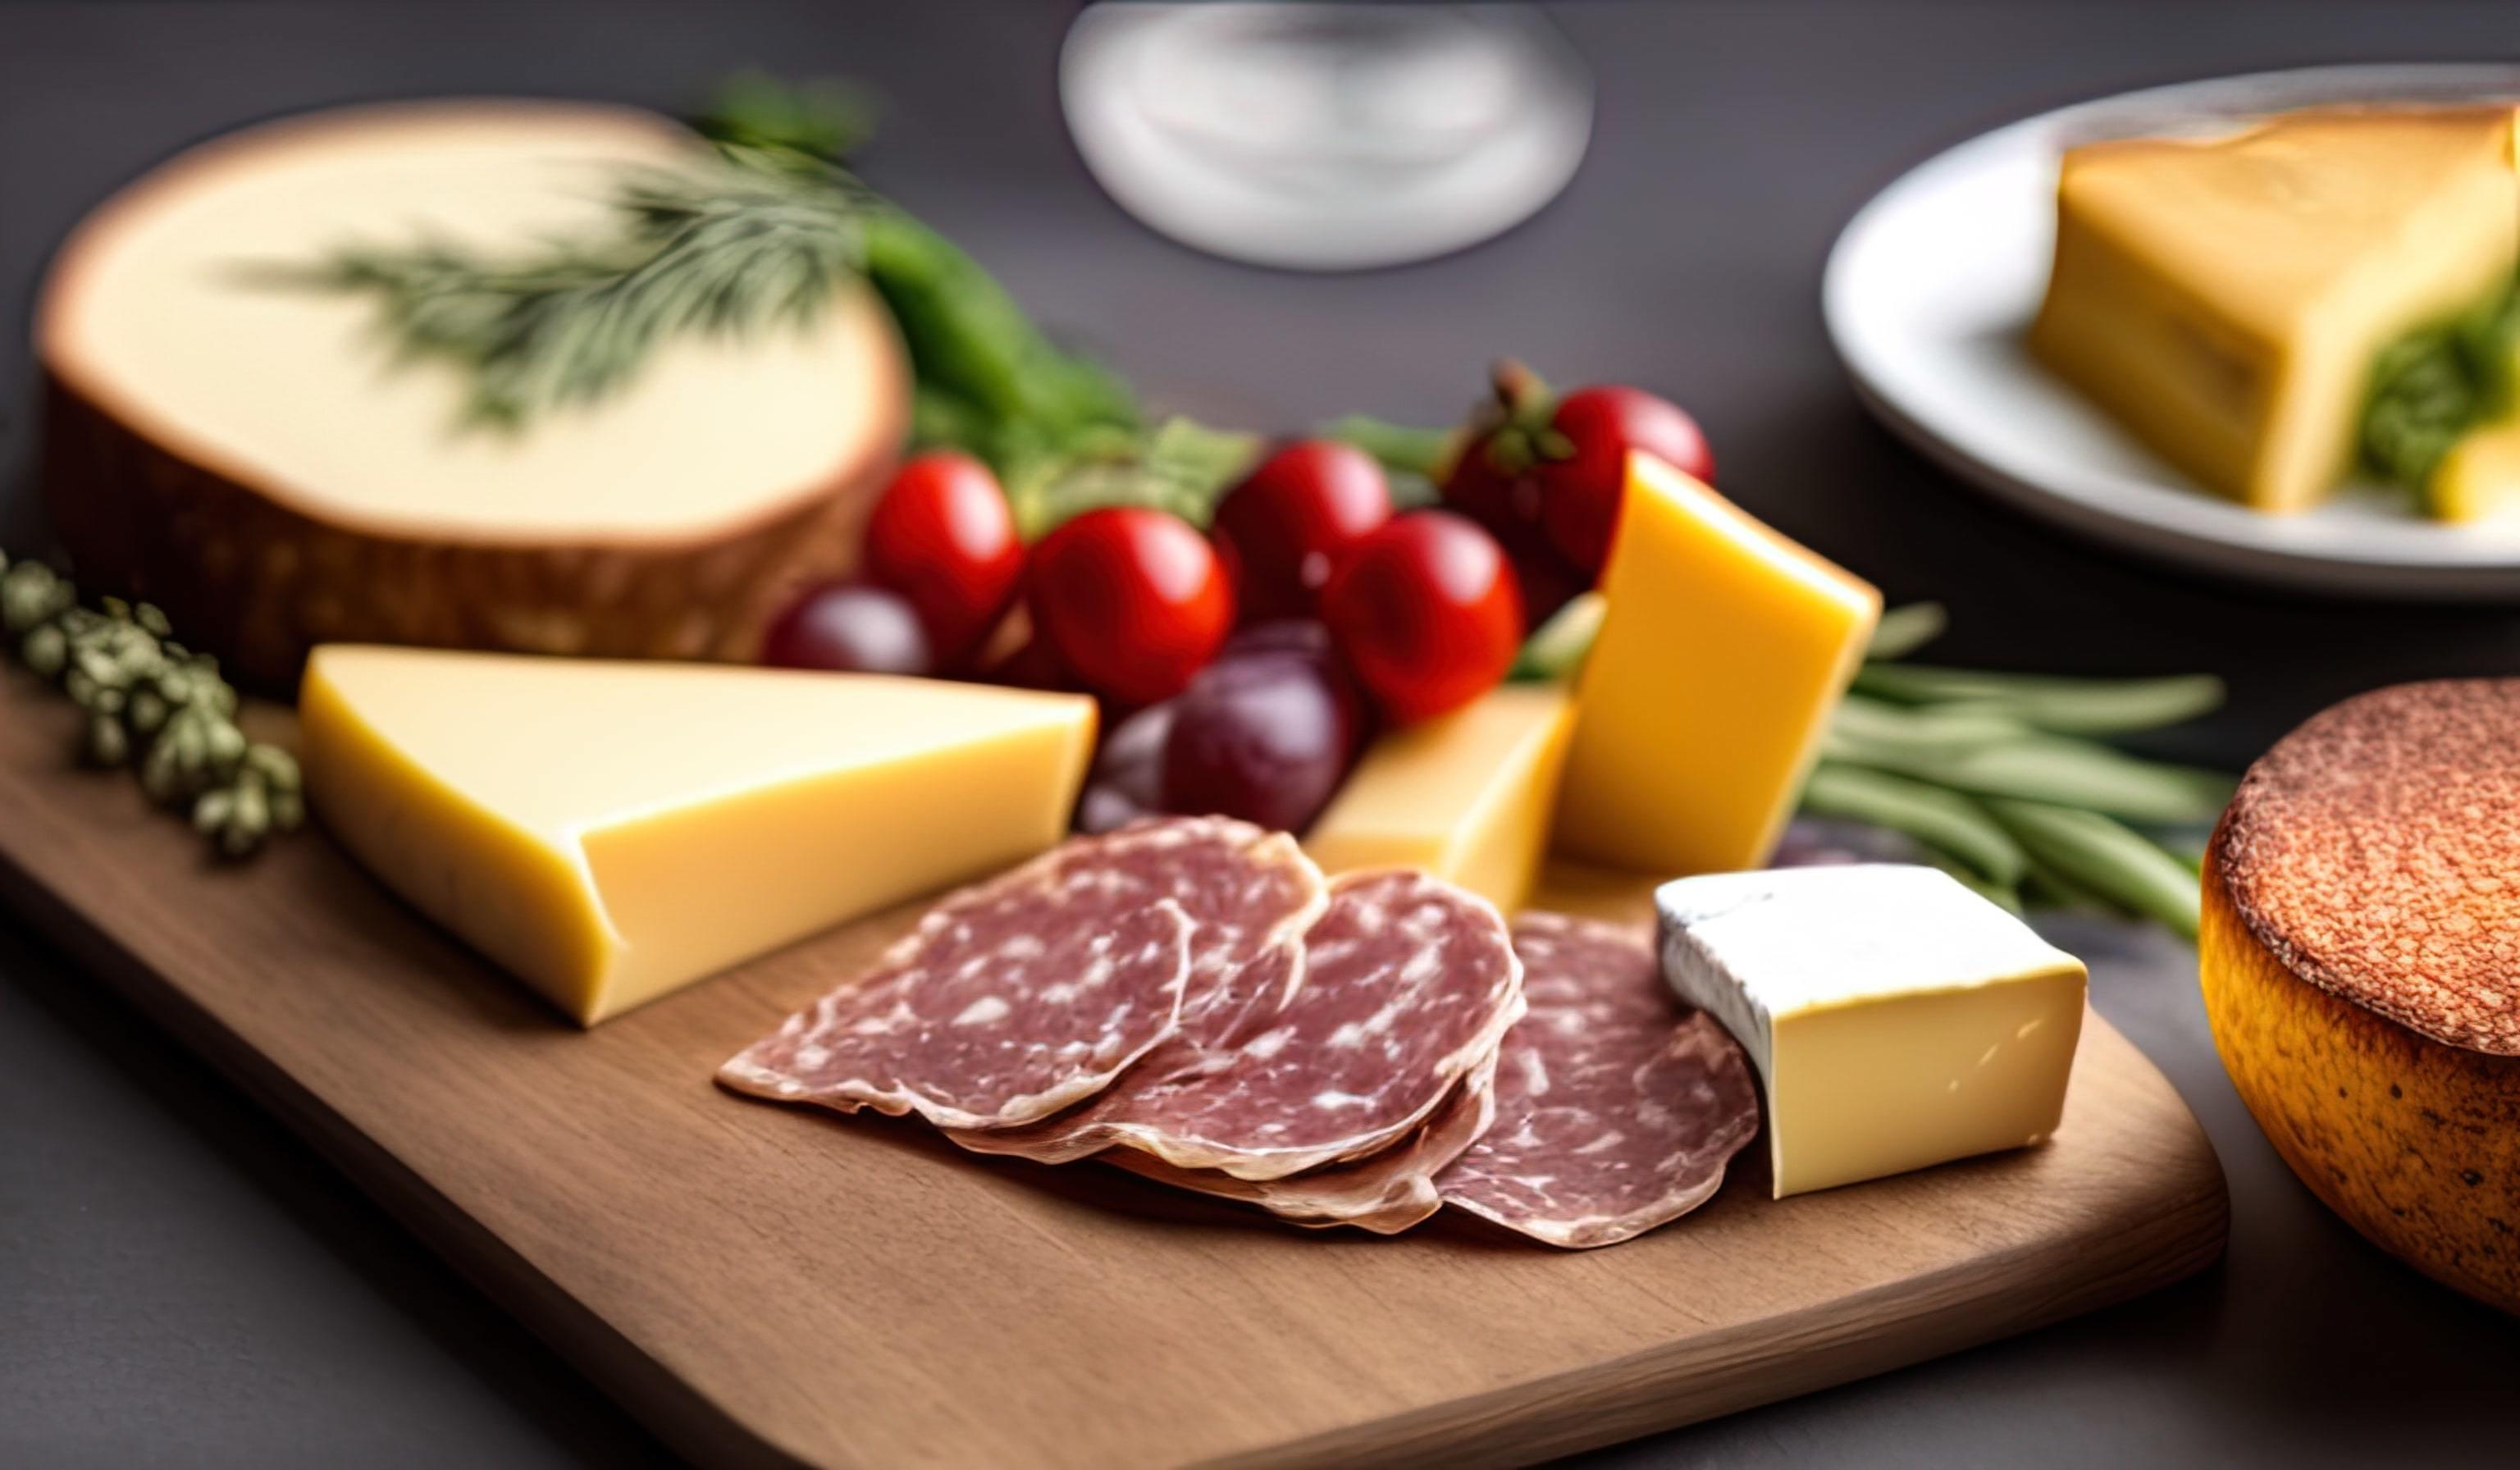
(181, 1282)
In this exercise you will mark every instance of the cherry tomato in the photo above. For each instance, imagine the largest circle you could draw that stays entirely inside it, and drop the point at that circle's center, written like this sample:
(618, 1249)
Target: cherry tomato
(848, 626)
(1579, 495)
(1131, 600)
(1290, 521)
(942, 537)
(1426, 612)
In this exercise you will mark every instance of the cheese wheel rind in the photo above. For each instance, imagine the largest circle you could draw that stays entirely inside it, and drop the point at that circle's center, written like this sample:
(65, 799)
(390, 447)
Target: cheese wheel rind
(255, 458)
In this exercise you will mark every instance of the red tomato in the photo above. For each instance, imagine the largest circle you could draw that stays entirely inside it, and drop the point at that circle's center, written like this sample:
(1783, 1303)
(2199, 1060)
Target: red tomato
(1289, 524)
(1426, 612)
(943, 538)
(1579, 499)
(1131, 600)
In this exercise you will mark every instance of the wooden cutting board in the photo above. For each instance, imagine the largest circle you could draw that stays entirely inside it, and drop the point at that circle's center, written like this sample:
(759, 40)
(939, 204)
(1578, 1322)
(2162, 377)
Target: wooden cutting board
(764, 1286)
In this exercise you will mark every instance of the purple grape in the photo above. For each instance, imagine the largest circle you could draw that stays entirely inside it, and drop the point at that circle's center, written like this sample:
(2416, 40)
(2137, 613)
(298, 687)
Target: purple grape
(849, 627)
(1265, 734)
(1289, 635)
(1130, 762)
(1105, 809)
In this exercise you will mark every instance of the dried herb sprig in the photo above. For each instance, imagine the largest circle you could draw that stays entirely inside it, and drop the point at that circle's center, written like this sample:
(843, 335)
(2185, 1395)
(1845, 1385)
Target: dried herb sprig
(152, 704)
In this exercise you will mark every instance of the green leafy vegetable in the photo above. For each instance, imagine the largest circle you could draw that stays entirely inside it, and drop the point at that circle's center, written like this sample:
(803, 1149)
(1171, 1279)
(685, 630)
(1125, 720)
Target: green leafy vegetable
(2433, 385)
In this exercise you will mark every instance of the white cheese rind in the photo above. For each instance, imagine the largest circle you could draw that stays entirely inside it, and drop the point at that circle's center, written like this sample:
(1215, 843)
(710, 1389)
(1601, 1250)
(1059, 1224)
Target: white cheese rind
(1896, 1018)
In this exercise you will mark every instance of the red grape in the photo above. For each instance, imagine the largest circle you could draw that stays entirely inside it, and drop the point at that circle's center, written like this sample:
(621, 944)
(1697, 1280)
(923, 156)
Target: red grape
(1427, 615)
(1131, 600)
(1290, 522)
(848, 626)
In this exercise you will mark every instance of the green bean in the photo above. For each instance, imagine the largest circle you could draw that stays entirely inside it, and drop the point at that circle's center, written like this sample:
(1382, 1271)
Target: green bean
(2106, 857)
(1556, 648)
(2064, 772)
(1944, 821)
(2066, 707)
(1862, 725)
(1902, 631)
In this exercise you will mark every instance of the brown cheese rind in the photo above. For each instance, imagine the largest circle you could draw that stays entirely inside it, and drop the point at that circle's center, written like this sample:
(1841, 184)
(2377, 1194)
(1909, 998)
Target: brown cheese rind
(2375, 852)
(259, 582)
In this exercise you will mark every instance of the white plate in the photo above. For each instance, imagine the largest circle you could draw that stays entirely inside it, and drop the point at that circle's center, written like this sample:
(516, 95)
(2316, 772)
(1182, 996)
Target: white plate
(1932, 284)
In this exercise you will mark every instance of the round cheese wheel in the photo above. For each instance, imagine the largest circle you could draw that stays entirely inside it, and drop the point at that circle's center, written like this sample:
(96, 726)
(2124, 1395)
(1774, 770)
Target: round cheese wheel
(2361, 966)
(258, 459)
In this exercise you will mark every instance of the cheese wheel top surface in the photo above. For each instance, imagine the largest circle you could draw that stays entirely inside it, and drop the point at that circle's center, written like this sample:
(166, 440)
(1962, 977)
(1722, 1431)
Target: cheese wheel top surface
(2375, 852)
(154, 313)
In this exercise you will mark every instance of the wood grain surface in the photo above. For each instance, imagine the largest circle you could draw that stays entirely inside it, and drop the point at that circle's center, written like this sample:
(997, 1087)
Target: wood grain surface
(765, 1285)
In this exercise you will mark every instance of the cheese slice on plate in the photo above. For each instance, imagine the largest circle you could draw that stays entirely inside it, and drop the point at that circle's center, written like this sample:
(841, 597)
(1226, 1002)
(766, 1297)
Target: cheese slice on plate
(1465, 796)
(1724, 646)
(1896, 1018)
(611, 831)
(2226, 298)
(257, 458)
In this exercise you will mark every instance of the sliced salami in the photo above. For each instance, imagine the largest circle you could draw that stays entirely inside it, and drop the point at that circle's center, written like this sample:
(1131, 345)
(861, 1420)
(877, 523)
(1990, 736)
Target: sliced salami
(1617, 1106)
(1010, 1001)
(1385, 1192)
(1252, 895)
(1407, 985)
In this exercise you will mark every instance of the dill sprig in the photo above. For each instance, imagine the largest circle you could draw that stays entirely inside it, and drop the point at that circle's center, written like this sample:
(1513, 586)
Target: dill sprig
(725, 246)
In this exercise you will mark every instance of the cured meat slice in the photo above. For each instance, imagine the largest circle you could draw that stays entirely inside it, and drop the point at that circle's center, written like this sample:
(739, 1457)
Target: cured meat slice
(1009, 1002)
(1617, 1106)
(1406, 984)
(1385, 1192)
(1252, 895)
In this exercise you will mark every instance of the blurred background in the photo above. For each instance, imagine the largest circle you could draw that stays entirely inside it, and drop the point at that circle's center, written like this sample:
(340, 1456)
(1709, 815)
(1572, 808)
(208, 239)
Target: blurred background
(181, 1282)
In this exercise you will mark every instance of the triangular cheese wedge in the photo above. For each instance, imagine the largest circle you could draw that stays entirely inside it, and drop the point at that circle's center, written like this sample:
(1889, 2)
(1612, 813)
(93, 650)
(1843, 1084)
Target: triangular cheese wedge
(613, 830)
(2226, 298)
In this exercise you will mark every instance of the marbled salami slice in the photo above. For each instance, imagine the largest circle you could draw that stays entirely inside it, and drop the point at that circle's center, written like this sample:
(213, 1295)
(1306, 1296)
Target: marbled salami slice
(1010, 1002)
(1408, 984)
(1384, 1192)
(1617, 1106)
(1252, 895)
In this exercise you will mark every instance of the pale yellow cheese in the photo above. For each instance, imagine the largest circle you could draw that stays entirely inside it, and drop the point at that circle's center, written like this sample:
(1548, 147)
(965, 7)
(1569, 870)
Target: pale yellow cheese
(611, 831)
(2226, 298)
(1465, 796)
(2479, 478)
(167, 307)
(1896, 1018)
(1724, 649)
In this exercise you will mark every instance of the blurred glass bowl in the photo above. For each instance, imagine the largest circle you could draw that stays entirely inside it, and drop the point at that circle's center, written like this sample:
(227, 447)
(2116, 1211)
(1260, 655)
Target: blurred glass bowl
(1326, 137)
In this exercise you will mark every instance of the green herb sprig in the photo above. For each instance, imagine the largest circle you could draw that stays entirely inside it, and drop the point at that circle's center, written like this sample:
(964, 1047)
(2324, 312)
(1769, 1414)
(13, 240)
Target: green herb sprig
(152, 704)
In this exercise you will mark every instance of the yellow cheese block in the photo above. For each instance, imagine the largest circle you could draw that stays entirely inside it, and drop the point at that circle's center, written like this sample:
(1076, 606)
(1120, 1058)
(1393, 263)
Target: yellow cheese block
(1898, 1019)
(611, 831)
(1722, 651)
(2225, 299)
(1465, 796)
(2479, 478)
